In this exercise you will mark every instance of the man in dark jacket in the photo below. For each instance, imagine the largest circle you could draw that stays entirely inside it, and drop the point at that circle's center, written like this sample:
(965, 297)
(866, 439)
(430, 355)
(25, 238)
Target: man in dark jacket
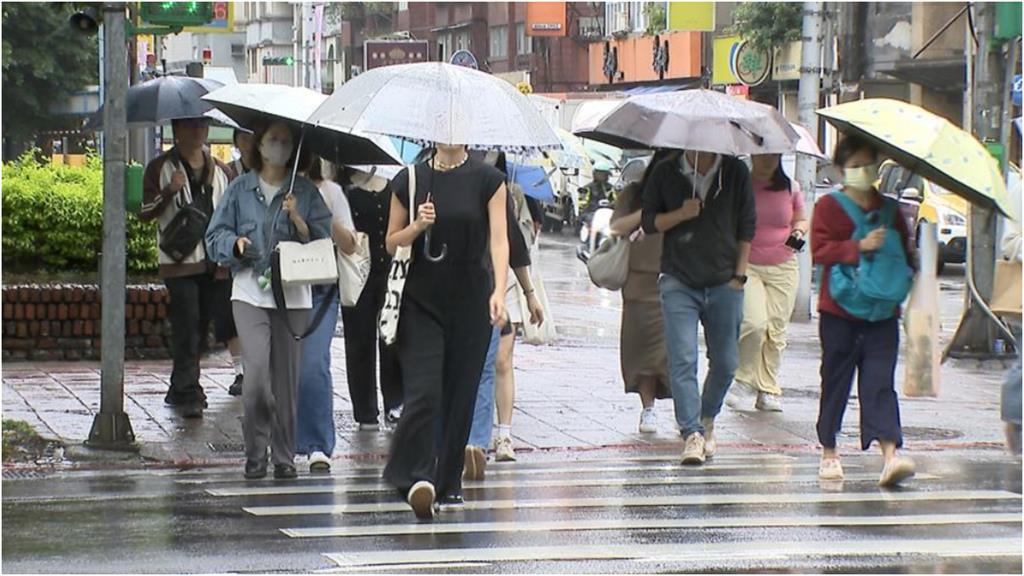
(704, 205)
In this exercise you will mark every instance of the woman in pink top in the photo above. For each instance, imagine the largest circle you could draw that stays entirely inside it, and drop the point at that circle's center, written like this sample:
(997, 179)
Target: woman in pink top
(773, 275)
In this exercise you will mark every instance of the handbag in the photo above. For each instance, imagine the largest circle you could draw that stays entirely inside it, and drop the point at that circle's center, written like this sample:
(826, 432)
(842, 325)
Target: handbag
(546, 332)
(608, 266)
(307, 264)
(1006, 289)
(185, 231)
(389, 313)
(354, 271)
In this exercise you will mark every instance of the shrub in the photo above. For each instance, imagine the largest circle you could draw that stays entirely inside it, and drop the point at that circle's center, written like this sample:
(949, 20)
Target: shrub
(53, 219)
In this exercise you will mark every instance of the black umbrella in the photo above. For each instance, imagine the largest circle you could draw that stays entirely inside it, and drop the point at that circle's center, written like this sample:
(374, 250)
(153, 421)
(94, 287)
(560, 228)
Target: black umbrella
(158, 101)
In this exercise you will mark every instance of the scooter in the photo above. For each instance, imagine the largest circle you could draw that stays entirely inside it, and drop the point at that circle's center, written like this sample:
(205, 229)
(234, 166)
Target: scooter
(595, 227)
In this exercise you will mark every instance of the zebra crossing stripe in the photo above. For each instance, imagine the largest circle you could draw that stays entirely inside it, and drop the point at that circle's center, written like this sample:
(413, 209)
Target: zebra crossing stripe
(717, 552)
(646, 501)
(555, 483)
(648, 524)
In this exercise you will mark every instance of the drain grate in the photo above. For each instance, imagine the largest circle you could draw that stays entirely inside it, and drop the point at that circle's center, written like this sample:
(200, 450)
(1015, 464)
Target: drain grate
(21, 474)
(222, 447)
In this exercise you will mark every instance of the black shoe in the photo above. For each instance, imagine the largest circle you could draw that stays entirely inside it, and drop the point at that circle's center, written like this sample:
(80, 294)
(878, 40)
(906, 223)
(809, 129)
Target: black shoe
(285, 472)
(255, 470)
(236, 388)
(451, 502)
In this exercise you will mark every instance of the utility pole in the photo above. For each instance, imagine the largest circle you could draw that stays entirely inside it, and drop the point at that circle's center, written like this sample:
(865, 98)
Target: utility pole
(111, 428)
(977, 331)
(806, 169)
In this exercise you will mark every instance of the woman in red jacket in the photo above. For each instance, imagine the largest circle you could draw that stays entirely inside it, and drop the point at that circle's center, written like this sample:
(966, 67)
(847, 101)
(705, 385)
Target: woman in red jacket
(853, 344)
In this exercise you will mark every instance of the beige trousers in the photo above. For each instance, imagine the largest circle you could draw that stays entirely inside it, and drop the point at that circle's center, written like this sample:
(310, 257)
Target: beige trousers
(768, 301)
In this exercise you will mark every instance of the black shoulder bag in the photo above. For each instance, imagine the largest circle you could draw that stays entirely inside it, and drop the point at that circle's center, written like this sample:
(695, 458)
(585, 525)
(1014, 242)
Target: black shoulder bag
(187, 229)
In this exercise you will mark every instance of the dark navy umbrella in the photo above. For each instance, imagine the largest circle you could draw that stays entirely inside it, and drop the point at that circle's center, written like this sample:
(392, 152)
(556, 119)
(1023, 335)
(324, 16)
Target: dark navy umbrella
(156, 102)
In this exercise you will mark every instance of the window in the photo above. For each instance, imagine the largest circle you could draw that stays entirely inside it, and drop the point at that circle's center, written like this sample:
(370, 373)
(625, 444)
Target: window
(403, 6)
(499, 42)
(523, 42)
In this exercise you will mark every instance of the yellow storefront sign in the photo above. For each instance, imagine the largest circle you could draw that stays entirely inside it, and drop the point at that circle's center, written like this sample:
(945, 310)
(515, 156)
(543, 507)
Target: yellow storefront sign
(722, 72)
(691, 16)
(786, 64)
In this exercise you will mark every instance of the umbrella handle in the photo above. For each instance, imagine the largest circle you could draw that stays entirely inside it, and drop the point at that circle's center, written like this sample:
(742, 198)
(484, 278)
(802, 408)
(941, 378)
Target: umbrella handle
(426, 249)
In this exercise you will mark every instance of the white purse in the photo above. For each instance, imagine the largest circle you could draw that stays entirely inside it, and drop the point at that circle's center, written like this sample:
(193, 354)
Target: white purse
(354, 271)
(308, 264)
(389, 313)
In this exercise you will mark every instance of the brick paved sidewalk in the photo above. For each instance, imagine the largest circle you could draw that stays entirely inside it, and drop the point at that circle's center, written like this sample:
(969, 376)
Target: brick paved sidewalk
(569, 397)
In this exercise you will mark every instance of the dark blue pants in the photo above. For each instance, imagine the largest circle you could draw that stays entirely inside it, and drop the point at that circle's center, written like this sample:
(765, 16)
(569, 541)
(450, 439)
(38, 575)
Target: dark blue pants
(870, 349)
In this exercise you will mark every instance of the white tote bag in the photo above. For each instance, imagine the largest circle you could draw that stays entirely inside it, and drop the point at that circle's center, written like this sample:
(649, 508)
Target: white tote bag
(354, 270)
(389, 313)
(546, 332)
(308, 264)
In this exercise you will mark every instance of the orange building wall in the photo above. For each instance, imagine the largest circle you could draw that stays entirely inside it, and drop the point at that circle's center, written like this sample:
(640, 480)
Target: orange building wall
(636, 58)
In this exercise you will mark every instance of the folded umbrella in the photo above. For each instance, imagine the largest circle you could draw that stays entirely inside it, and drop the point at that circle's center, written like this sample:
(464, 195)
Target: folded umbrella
(252, 104)
(433, 102)
(701, 120)
(926, 144)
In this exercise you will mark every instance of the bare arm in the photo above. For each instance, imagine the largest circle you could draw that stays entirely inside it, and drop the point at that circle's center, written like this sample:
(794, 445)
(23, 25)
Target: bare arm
(800, 222)
(400, 234)
(499, 240)
(343, 237)
(625, 225)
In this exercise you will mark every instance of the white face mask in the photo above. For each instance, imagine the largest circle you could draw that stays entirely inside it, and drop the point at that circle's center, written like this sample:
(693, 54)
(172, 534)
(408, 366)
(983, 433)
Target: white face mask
(275, 153)
(862, 178)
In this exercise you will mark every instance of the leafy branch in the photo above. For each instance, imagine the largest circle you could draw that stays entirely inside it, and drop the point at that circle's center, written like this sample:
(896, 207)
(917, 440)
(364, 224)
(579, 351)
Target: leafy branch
(768, 25)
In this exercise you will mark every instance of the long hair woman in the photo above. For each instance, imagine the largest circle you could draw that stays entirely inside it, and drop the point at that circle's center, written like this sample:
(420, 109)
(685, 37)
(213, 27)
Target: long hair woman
(450, 302)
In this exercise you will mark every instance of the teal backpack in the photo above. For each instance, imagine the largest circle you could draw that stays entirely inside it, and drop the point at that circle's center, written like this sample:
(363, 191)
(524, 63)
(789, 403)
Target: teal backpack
(873, 289)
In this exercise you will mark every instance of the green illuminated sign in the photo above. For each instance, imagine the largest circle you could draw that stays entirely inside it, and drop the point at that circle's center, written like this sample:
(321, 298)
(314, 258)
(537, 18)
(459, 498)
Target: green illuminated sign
(176, 13)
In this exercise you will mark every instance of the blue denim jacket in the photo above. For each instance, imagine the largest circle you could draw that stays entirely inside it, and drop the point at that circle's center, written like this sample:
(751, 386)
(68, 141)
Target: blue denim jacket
(244, 212)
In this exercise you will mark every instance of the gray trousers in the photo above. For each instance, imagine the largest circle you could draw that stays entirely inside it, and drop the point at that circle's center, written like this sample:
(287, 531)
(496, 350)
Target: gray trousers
(271, 358)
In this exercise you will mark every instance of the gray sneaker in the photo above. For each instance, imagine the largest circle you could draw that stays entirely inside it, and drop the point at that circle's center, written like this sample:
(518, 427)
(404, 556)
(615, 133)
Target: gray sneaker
(768, 403)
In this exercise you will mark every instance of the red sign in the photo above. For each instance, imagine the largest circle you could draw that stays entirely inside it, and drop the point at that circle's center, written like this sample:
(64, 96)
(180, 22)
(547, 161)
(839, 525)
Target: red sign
(377, 53)
(741, 91)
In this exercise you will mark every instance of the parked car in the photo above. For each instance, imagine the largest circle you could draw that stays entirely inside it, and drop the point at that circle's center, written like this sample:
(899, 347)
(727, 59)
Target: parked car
(924, 201)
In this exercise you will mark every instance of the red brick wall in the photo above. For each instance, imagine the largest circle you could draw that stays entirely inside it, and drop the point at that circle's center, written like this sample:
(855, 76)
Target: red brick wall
(62, 322)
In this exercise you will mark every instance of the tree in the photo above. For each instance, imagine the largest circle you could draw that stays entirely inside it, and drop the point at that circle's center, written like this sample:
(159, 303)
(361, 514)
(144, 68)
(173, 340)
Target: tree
(768, 25)
(656, 18)
(44, 62)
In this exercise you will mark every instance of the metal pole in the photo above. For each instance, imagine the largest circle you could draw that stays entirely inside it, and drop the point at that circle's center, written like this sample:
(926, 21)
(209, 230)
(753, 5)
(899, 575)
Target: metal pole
(976, 333)
(807, 97)
(111, 428)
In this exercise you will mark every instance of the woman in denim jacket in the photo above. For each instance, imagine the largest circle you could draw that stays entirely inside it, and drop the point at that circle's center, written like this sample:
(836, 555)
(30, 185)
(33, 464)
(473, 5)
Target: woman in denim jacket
(258, 211)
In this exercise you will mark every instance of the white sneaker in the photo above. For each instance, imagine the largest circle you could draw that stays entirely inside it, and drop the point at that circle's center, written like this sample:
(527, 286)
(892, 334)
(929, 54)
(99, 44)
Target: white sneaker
(896, 470)
(768, 403)
(421, 499)
(369, 427)
(476, 463)
(648, 421)
(503, 451)
(319, 462)
(830, 469)
(709, 437)
(693, 452)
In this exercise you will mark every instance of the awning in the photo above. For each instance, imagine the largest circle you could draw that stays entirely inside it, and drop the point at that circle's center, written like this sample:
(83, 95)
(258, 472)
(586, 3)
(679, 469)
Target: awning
(948, 75)
(652, 89)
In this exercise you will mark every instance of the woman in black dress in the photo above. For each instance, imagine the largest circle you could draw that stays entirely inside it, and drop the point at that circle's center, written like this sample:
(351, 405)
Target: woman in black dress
(370, 199)
(448, 309)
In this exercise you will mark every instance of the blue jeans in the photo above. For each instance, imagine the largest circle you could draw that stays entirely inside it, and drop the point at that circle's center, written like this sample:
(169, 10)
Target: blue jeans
(314, 424)
(720, 310)
(483, 411)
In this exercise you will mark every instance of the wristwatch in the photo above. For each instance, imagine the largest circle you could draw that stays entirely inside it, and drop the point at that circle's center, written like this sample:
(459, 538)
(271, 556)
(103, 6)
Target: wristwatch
(741, 278)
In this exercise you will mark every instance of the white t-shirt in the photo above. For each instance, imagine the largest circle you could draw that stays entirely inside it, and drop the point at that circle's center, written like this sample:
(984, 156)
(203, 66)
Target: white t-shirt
(246, 287)
(338, 204)
(701, 182)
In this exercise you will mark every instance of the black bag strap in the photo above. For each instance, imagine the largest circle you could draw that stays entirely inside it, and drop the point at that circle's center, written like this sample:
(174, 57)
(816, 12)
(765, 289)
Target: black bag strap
(278, 289)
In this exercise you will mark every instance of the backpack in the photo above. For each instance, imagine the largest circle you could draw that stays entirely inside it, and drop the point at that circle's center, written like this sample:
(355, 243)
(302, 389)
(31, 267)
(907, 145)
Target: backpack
(874, 288)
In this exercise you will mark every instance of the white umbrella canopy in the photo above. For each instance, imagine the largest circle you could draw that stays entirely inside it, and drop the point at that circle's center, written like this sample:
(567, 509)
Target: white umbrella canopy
(251, 104)
(434, 102)
(701, 120)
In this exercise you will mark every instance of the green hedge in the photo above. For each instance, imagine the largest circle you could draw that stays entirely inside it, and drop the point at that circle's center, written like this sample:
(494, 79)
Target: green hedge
(53, 219)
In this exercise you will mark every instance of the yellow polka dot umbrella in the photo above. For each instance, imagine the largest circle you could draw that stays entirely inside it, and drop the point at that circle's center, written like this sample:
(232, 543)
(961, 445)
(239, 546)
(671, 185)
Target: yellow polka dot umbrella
(927, 144)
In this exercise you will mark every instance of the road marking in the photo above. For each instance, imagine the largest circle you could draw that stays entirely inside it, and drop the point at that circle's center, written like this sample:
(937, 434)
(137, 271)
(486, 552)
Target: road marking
(556, 483)
(690, 552)
(646, 501)
(729, 462)
(648, 524)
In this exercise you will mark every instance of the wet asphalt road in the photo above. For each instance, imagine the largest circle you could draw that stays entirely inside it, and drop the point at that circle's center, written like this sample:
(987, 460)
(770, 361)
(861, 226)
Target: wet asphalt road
(605, 512)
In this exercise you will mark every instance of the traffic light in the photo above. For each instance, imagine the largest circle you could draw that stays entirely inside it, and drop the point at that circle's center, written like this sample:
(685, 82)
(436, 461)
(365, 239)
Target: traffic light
(278, 61)
(176, 13)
